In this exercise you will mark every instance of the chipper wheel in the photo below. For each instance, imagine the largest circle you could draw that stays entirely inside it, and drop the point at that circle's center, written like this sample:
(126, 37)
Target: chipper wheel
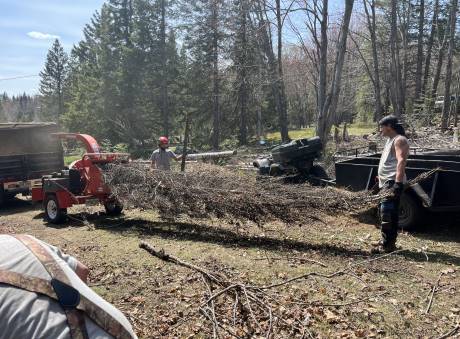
(53, 213)
(113, 207)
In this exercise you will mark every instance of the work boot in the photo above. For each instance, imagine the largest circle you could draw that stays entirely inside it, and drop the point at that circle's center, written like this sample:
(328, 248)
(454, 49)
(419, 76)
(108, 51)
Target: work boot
(388, 248)
(377, 243)
(381, 248)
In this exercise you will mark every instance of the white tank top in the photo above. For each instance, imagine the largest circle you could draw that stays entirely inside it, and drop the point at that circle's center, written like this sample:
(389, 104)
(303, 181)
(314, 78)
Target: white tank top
(388, 163)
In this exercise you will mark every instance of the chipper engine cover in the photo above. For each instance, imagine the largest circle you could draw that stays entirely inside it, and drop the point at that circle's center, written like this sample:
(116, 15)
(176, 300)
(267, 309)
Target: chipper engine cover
(302, 149)
(296, 156)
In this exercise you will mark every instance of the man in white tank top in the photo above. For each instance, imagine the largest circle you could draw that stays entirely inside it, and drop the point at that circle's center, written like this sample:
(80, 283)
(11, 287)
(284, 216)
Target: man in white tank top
(391, 176)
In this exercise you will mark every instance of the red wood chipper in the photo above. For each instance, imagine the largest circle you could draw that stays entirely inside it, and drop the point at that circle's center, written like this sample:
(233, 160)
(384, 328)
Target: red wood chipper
(81, 183)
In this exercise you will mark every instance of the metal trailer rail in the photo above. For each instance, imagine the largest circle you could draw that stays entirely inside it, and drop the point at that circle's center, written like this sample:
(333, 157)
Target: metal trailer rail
(438, 193)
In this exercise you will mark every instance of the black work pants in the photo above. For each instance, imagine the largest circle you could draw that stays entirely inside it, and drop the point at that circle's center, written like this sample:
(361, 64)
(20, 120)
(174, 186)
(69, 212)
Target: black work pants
(389, 217)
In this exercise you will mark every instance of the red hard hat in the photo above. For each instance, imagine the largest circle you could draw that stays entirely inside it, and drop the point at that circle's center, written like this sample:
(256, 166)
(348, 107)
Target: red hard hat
(163, 140)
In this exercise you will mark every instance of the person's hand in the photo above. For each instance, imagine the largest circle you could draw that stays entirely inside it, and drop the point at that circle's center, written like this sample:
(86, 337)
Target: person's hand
(82, 271)
(397, 189)
(375, 189)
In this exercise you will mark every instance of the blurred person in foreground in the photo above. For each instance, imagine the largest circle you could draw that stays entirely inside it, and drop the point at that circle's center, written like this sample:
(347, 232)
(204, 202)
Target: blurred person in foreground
(43, 294)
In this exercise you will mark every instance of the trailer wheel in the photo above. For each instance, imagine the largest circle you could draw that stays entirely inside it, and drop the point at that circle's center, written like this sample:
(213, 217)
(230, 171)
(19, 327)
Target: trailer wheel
(410, 213)
(53, 213)
(113, 207)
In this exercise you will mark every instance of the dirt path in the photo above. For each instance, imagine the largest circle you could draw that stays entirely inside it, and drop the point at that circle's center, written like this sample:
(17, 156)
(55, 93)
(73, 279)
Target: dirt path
(386, 297)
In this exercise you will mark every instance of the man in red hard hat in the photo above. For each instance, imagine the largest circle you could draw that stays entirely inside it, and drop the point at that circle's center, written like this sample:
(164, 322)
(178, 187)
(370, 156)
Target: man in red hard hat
(161, 157)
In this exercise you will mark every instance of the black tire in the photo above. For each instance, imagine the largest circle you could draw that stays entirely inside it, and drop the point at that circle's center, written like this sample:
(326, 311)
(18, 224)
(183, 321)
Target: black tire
(275, 170)
(113, 207)
(53, 213)
(411, 212)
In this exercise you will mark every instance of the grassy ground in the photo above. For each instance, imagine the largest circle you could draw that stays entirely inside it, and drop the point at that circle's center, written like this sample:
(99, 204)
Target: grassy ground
(384, 297)
(68, 159)
(354, 129)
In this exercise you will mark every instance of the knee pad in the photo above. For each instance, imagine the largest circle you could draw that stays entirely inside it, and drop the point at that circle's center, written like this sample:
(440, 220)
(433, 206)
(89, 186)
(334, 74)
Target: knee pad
(386, 214)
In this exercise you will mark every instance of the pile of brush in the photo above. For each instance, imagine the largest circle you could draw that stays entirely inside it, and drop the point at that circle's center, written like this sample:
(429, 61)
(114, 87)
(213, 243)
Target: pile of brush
(212, 191)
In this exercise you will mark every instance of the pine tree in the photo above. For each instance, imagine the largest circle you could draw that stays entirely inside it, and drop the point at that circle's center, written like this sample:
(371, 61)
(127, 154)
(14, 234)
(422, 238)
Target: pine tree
(3, 98)
(52, 82)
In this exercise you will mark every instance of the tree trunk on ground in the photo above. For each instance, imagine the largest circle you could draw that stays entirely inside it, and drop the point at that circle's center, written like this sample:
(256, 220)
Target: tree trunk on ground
(215, 75)
(371, 25)
(419, 70)
(450, 54)
(429, 47)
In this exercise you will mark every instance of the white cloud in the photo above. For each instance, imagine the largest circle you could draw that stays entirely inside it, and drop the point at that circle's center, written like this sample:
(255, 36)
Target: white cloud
(42, 36)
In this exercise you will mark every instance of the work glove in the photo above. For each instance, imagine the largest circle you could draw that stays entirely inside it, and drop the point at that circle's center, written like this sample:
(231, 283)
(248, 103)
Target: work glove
(397, 189)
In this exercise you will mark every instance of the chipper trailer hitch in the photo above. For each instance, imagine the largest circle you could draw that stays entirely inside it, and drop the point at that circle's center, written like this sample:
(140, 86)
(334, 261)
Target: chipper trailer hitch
(81, 183)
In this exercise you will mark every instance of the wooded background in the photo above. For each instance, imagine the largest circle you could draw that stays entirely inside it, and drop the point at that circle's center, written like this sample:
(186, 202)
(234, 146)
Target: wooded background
(242, 68)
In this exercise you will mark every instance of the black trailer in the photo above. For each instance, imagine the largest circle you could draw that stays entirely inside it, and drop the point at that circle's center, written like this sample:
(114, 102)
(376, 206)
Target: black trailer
(439, 193)
(27, 152)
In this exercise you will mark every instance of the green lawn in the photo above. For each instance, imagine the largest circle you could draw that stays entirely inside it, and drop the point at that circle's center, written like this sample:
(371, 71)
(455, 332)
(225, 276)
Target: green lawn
(354, 129)
(68, 159)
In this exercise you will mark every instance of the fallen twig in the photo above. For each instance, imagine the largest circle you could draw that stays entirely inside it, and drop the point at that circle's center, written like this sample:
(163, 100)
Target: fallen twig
(450, 333)
(328, 276)
(433, 291)
(248, 307)
(166, 257)
(293, 258)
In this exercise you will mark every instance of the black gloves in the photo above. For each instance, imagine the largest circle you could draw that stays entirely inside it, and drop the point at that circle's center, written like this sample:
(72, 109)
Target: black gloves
(398, 189)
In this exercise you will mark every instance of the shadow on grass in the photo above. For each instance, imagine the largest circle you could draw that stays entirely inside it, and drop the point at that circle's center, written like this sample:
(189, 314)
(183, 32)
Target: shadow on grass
(180, 231)
(441, 227)
(16, 205)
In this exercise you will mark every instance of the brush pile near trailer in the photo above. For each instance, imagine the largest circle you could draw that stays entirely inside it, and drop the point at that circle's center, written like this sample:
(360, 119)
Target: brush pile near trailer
(213, 191)
(205, 191)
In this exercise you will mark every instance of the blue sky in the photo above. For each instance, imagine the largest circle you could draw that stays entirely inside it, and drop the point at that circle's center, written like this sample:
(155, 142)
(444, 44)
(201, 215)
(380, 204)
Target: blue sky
(27, 30)
(29, 27)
